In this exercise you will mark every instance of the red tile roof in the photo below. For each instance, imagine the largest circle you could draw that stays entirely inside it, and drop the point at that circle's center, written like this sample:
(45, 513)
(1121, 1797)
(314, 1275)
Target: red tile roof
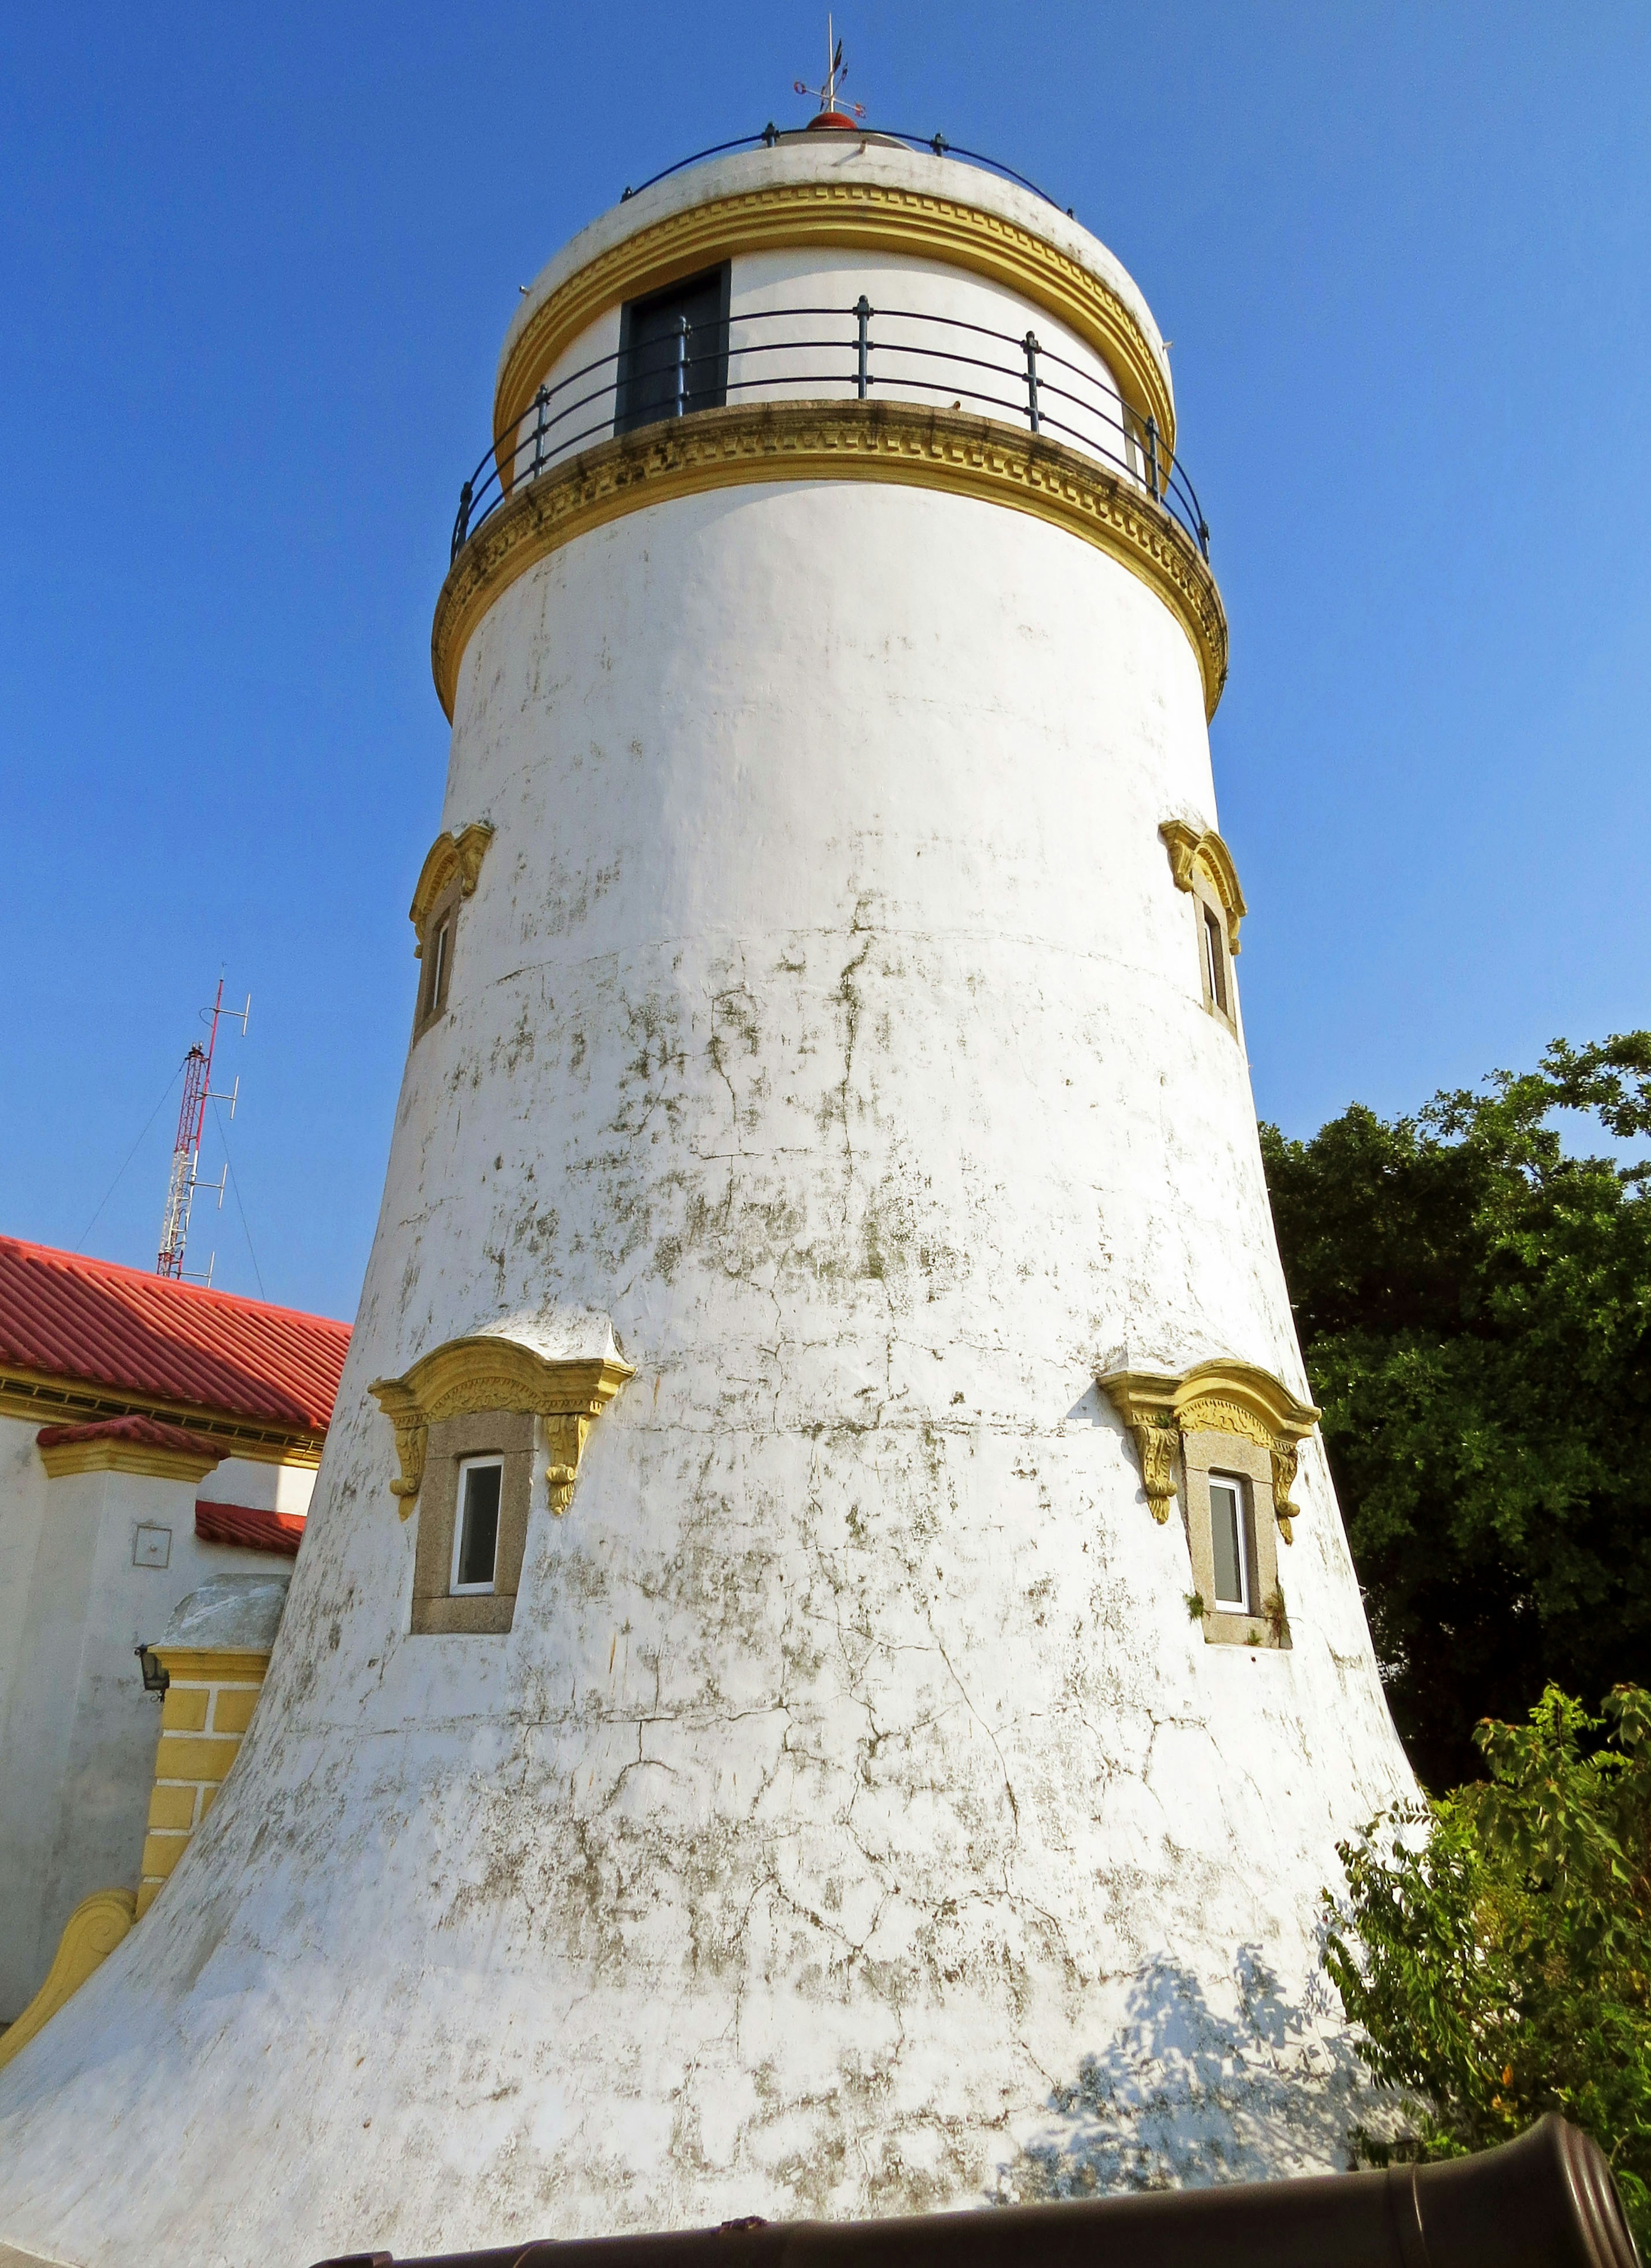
(158, 1341)
(150, 1430)
(255, 1531)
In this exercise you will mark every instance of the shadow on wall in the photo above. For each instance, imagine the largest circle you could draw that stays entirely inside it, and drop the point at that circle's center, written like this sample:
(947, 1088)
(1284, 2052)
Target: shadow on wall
(1189, 2096)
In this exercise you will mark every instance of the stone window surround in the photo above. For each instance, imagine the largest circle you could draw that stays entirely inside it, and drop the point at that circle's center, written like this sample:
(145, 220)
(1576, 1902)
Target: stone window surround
(511, 1435)
(1202, 865)
(447, 878)
(1223, 1415)
(1202, 1453)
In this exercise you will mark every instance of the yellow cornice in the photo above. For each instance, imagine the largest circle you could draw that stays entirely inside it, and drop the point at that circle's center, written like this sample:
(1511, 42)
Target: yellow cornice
(869, 216)
(1223, 1396)
(450, 856)
(105, 1455)
(486, 1372)
(894, 441)
(1192, 852)
(38, 1397)
(197, 1665)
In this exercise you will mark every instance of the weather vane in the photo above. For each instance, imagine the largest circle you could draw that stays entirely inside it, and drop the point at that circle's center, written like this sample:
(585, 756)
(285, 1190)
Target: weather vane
(837, 70)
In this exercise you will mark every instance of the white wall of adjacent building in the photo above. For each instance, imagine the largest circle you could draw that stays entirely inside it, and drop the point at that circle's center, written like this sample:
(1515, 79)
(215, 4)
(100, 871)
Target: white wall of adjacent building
(78, 1590)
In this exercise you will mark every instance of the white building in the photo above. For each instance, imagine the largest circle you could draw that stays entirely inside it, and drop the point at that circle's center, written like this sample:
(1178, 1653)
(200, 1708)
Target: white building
(153, 1436)
(825, 1674)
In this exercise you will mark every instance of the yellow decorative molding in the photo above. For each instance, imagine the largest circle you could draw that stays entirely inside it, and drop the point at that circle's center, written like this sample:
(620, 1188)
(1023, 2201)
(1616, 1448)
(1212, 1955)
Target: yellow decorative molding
(1217, 1397)
(90, 1935)
(451, 856)
(895, 441)
(149, 1458)
(193, 1665)
(1192, 852)
(470, 1375)
(868, 215)
(48, 1401)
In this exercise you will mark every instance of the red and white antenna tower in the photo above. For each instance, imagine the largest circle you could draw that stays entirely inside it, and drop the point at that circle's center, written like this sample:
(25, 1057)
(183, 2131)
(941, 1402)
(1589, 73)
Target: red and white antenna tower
(186, 1150)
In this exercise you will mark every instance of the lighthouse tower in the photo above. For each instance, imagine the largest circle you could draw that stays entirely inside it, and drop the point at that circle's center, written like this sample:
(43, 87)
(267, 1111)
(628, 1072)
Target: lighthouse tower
(824, 1674)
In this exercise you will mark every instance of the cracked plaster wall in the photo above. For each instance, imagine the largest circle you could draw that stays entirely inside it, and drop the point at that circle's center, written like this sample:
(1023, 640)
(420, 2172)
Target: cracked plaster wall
(853, 1820)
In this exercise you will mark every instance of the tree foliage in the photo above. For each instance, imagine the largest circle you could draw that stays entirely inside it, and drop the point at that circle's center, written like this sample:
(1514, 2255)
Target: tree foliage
(1495, 1946)
(1475, 1310)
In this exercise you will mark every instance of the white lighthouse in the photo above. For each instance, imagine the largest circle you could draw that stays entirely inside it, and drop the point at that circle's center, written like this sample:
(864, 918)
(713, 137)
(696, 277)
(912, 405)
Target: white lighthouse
(824, 1674)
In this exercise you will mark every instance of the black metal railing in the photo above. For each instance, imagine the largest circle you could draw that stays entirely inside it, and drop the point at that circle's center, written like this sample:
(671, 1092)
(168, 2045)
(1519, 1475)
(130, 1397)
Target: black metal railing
(772, 135)
(960, 363)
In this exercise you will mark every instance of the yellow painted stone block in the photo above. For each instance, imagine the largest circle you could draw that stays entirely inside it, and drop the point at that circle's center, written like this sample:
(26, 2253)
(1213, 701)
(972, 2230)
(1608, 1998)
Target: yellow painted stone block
(209, 1797)
(148, 1890)
(180, 1757)
(172, 1808)
(161, 1854)
(184, 1709)
(231, 1712)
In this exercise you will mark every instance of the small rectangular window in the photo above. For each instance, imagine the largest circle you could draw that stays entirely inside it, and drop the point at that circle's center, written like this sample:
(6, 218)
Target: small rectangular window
(1229, 1543)
(674, 351)
(475, 1531)
(1215, 959)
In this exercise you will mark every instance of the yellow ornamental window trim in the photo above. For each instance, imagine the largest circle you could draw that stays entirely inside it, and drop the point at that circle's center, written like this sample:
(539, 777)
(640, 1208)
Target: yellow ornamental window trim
(1223, 1396)
(455, 856)
(488, 1373)
(1194, 852)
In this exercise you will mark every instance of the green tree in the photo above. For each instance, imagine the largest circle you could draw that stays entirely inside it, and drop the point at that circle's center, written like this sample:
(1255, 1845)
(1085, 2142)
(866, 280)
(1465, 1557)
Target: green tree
(1495, 1946)
(1475, 1310)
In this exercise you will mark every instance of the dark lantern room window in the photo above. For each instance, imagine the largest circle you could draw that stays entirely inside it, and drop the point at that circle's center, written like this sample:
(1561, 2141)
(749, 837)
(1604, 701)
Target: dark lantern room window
(674, 351)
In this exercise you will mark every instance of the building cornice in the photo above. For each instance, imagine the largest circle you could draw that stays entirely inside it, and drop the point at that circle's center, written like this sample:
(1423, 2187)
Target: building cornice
(893, 441)
(869, 215)
(155, 1460)
(42, 1400)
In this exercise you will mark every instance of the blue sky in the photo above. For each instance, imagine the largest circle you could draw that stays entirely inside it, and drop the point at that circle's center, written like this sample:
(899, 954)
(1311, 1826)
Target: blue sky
(255, 267)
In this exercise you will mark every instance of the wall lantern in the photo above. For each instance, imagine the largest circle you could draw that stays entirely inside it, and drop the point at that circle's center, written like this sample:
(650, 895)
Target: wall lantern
(155, 1677)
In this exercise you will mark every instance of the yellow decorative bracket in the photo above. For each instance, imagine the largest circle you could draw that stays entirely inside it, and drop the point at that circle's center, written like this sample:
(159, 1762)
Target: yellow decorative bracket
(451, 856)
(1217, 1397)
(1191, 853)
(90, 1935)
(470, 1375)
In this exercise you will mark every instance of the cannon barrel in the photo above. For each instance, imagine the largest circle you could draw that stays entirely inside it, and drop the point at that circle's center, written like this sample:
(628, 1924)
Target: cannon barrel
(1545, 2201)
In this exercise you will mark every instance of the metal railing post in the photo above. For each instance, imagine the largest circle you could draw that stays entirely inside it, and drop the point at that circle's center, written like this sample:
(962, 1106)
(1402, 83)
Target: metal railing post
(541, 402)
(1152, 457)
(1030, 344)
(862, 316)
(682, 365)
(461, 525)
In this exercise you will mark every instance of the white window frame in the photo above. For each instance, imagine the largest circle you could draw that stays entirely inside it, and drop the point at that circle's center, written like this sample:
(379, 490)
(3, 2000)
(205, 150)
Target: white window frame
(466, 1466)
(1217, 974)
(1239, 1487)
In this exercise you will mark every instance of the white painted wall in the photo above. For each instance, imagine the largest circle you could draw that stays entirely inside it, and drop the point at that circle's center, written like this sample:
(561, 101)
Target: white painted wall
(77, 1732)
(259, 1487)
(854, 1820)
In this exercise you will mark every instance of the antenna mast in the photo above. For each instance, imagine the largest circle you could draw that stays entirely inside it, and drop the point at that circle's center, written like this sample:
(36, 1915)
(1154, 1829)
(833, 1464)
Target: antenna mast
(186, 1149)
